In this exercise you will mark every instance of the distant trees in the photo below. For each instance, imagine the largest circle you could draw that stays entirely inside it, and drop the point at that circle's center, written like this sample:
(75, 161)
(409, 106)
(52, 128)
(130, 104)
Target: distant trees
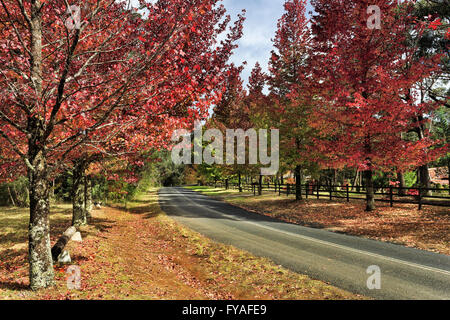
(234, 111)
(292, 89)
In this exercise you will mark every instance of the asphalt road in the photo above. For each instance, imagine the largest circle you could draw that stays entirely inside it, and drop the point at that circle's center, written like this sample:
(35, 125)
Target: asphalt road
(341, 260)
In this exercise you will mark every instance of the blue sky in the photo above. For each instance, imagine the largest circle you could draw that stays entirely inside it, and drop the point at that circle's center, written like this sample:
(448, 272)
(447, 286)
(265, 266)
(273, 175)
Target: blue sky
(259, 29)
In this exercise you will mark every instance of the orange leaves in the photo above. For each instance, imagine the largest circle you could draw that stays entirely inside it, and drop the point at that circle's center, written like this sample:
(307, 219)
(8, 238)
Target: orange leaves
(435, 24)
(126, 78)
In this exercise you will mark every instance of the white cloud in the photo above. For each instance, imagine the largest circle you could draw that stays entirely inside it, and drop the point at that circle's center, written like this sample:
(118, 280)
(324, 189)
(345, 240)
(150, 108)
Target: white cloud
(259, 30)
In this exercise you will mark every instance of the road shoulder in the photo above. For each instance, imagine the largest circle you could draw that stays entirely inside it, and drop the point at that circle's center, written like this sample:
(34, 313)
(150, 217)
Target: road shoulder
(140, 253)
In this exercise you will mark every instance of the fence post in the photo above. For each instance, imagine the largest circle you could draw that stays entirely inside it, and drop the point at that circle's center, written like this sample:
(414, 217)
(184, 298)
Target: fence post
(260, 185)
(318, 190)
(391, 196)
(348, 193)
(288, 189)
(298, 191)
(279, 189)
(331, 192)
(420, 198)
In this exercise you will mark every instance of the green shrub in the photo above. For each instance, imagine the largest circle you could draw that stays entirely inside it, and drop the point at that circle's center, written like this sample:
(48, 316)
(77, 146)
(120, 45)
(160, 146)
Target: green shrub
(15, 193)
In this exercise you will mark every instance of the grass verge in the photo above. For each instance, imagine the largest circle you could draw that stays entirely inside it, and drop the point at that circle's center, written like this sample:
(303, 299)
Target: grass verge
(140, 253)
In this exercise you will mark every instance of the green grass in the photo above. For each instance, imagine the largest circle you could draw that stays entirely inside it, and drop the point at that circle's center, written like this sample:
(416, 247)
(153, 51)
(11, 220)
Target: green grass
(14, 224)
(212, 191)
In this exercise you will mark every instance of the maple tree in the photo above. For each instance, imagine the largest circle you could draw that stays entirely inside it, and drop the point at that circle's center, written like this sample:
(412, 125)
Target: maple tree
(367, 77)
(233, 94)
(291, 88)
(245, 110)
(71, 85)
(256, 103)
(256, 84)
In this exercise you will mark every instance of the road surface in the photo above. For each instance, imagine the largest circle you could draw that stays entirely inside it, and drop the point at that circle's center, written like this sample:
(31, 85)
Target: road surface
(341, 260)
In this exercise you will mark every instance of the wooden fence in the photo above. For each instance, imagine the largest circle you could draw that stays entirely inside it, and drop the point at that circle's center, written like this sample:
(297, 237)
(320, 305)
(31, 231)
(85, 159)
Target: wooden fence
(414, 195)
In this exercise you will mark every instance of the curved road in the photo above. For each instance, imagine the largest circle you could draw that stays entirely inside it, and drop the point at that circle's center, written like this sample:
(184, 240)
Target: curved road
(341, 260)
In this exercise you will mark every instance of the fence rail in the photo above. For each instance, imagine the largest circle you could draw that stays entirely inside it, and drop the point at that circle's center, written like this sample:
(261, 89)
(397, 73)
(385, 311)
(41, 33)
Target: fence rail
(414, 195)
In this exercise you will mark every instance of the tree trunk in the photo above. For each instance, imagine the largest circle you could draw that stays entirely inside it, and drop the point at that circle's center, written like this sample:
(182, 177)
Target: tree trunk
(425, 179)
(260, 185)
(88, 204)
(40, 257)
(298, 183)
(335, 178)
(22, 198)
(13, 203)
(359, 183)
(240, 184)
(370, 196)
(78, 212)
(18, 197)
(402, 184)
(423, 173)
(368, 174)
(52, 196)
(356, 180)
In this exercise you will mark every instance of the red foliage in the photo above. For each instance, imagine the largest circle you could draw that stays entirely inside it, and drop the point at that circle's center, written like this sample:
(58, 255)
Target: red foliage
(368, 81)
(119, 84)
